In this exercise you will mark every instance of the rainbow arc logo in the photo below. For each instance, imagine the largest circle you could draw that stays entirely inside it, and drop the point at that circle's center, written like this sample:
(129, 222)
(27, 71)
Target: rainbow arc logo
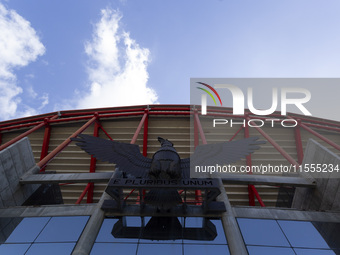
(204, 97)
(209, 93)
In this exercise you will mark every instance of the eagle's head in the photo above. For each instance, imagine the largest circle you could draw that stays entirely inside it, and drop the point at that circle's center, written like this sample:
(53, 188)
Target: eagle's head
(165, 142)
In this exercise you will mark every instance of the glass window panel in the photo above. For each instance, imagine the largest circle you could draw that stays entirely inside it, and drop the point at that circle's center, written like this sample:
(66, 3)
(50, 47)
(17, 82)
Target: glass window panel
(51, 249)
(262, 232)
(106, 236)
(302, 234)
(195, 249)
(175, 223)
(163, 249)
(263, 250)
(17, 249)
(27, 230)
(114, 248)
(197, 222)
(133, 221)
(63, 229)
(313, 252)
(193, 222)
(330, 232)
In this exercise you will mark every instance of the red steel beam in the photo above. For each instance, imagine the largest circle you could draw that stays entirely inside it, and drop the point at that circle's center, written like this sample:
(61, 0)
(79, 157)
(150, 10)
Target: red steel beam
(92, 166)
(198, 125)
(170, 109)
(257, 195)
(169, 113)
(323, 127)
(298, 142)
(238, 131)
(320, 136)
(101, 127)
(38, 119)
(46, 142)
(83, 194)
(57, 150)
(127, 196)
(20, 126)
(121, 115)
(323, 123)
(135, 136)
(196, 134)
(200, 129)
(145, 135)
(251, 195)
(24, 134)
(278, 147)
(101, 112)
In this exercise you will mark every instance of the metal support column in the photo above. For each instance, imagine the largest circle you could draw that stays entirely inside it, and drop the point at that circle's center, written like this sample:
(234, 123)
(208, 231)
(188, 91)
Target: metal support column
(89, 235)
(231, 229)
(230, 226)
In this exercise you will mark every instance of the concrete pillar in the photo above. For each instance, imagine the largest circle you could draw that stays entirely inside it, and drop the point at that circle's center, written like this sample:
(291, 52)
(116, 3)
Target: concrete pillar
(89, 235)
(231, 229)
(15, 161)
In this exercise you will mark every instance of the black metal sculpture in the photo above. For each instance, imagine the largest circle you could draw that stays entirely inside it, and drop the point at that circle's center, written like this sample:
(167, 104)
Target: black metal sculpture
(165, 163)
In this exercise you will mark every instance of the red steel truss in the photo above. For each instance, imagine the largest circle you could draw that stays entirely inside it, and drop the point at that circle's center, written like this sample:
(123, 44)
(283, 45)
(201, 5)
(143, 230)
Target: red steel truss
(94, 116)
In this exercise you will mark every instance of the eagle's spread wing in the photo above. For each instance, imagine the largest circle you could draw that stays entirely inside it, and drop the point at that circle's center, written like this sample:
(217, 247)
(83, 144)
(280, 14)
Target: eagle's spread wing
(185, 167)
(126, 156)
(220, 153)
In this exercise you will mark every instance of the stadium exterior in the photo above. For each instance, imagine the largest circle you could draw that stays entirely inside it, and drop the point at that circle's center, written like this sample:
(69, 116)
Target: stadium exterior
(52, 192)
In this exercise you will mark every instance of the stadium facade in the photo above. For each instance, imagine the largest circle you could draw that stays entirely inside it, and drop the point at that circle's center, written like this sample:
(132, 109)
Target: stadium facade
(53, 197)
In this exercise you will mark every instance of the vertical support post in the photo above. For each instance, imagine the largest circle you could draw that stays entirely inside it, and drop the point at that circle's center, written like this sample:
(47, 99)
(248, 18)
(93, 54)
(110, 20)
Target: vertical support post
(198, 127)
(89, 235)
(251, 195)
(298, 142)
(230, 226)
(145, 135)
(0, 138)
(196, 137)
(93, 164)
(46, 142)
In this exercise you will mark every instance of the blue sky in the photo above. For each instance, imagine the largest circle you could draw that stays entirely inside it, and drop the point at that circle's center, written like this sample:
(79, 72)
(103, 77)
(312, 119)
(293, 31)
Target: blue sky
(57, 55)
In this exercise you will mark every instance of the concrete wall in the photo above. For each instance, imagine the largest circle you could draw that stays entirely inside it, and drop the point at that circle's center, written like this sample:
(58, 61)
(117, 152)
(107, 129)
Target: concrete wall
(326, 195)
(14, 162)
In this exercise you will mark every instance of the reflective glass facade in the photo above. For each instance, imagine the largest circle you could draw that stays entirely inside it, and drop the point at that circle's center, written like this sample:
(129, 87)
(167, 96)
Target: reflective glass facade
(41, 235)
(266, 236)
(191, 236)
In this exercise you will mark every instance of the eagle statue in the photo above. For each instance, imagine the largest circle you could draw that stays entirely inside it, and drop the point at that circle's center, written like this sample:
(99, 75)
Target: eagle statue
(165, 163)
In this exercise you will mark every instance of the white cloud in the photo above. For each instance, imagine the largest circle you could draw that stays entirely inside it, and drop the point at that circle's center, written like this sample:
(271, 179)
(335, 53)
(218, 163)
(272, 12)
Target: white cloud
(19, 45)
(117, 67)
(31, 93)
(44, 102)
